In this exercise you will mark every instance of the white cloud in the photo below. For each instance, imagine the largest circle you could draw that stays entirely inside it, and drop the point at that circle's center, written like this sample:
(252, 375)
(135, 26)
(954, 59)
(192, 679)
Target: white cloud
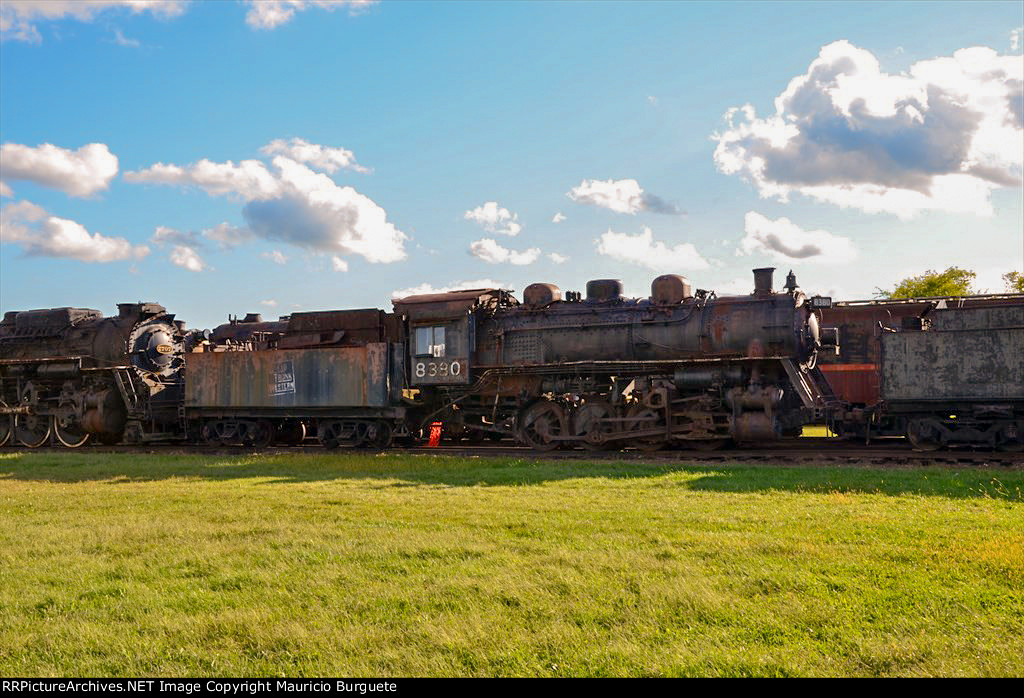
(81, 172)
(788, 242)
(121, 40)
(495, 219)
(271, 303)
(425, 289)
(491, 252)
(290, 202)
(319, 157)
(227, 236)
(558, 258)
(643, 250)
(5, 191)
(620, 196)
(270, 14)
(652, 100)
(164, 235)
(941, 136)
(1015, 38)
(275, 256)
(558, 217)
(41, 234)
(18, 18)
(338, 264)
(187, 258)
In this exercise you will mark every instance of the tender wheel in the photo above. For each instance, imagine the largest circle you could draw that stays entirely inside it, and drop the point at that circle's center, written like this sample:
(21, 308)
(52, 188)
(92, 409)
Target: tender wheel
(32, 430)
(327, 435)
(6, 428)
(290, 433)
(539, 423)
(382, 435)
(922, 437)
(588, 424)
(641, 418)
(70, 433)
(260, 434)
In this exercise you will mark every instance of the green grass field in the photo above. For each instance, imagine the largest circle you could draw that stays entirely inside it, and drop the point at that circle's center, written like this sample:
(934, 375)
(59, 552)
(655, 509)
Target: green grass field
(418, 565)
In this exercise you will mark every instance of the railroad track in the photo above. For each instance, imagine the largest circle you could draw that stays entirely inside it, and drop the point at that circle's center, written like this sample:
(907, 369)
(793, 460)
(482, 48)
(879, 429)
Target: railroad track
(810, 451)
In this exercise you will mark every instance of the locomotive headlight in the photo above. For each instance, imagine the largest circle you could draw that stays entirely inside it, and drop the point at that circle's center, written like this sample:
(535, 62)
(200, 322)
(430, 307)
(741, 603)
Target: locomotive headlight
(821, 302)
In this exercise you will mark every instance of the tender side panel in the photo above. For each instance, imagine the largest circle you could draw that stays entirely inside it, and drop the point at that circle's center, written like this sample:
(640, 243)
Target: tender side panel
(301, 378)
(944, 366)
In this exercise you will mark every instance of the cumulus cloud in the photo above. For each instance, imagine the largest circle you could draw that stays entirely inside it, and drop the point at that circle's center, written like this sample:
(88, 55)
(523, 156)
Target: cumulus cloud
(81, 172)
(491, 252)
(319, 157)
(558, 217)
(338, 264)
(558, 258)
(270, 14)
(494, 219)
(621, 196)
(41, 234)
(271, 303)
(18, 18)
(275, 256)
(1015, 38)
(788, 242)
(424, 289)
(187, 258)
(642, 249)
(941, 136)
(289, 202)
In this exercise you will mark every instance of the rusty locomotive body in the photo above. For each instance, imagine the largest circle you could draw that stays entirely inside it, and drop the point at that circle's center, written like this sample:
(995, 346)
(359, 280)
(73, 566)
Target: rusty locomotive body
(76, 374)
(605, 371)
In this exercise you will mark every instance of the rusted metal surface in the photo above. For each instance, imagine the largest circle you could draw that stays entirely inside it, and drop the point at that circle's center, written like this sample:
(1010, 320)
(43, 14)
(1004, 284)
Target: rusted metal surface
(854, 374)
(953, 365)
(313, 378)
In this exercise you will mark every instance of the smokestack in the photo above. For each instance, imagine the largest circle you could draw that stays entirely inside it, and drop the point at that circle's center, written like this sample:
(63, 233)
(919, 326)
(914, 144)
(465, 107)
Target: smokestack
(763, 281)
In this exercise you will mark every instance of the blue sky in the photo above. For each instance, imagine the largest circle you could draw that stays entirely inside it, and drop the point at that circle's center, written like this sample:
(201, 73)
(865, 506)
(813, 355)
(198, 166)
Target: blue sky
(901, 154)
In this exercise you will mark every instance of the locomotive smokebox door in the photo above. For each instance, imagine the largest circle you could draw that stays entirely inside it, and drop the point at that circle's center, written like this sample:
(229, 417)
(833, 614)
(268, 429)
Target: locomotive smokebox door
(442, 334)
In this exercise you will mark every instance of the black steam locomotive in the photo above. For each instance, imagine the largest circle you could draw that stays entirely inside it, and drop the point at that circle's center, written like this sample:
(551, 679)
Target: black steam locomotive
(75, 374)
(595, 371)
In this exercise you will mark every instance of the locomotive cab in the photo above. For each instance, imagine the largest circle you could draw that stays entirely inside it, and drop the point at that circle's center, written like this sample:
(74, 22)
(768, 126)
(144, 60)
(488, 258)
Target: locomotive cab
(442, 334)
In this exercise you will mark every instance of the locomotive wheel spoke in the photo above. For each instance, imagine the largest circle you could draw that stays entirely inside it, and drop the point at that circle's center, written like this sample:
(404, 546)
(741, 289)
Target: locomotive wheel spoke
(32, 430)
(71, 435)
(641, 418)
(6, 428)
(539, 422)
(588, 424)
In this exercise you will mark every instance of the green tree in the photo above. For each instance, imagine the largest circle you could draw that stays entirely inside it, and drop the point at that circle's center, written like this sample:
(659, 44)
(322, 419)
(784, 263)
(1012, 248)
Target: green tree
(1014, 282)
(952, 282)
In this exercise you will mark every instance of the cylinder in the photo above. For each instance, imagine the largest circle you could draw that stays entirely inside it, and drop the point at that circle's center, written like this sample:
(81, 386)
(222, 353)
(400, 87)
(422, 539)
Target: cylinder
(541, 295)
(698, 378)
(670, 289)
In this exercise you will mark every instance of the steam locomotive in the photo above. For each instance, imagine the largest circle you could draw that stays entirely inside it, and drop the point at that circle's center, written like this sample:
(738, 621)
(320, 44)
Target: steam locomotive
(75, 374)
(594, 371)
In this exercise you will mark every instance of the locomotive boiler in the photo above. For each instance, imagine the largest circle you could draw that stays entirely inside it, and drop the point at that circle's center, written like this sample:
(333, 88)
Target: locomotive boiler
(76, 374)
(603, 371)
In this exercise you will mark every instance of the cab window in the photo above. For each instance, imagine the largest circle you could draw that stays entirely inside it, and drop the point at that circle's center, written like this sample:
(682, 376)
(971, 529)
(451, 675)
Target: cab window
(430, 341)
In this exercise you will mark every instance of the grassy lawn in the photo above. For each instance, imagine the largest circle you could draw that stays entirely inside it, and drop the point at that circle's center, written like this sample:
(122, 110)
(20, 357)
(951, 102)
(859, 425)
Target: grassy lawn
(399, 565)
